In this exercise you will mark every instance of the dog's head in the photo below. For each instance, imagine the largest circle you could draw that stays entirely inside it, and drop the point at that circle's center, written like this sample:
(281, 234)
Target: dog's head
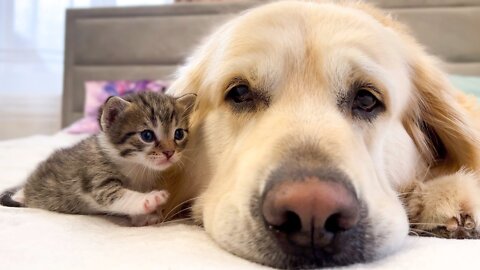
(309, 116)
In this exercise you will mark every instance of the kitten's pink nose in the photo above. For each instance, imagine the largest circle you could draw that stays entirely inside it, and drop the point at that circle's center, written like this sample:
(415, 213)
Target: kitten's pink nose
(168, 154)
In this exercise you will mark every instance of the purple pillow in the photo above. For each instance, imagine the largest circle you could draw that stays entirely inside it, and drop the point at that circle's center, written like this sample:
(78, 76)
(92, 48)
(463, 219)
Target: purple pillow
(97, 92)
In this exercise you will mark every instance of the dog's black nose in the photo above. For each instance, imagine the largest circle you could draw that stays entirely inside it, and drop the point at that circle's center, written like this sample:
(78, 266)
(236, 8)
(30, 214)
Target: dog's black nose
(309, 213)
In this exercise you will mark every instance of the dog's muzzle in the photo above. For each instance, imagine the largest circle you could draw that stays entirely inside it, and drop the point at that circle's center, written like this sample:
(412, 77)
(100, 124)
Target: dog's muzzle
(315, 217)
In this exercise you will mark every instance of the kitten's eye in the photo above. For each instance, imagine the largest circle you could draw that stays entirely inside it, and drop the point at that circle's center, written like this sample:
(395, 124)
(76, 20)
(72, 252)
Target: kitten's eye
(366, 104)
(240, 93)
(179, 134)
(147, 136)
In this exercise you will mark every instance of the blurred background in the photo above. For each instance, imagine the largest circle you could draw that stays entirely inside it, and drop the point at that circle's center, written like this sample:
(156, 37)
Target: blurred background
(31, 62)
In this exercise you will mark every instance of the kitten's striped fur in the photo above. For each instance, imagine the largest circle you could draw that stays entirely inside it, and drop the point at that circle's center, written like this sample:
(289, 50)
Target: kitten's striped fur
(115, 171)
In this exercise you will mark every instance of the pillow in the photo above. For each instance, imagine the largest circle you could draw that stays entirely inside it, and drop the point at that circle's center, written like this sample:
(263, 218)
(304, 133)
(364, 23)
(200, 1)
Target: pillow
(97, 92)
(468, 84)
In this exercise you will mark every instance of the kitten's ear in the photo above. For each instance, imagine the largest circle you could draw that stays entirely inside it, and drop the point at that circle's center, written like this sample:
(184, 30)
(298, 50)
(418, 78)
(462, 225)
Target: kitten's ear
(110, 111)
(187, 101)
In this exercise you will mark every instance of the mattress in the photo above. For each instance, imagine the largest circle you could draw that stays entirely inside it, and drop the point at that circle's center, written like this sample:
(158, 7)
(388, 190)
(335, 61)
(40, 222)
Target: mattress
(38, 239)
(33, 238)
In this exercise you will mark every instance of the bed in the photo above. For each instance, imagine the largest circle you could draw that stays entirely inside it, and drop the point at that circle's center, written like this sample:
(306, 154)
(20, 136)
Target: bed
(149, 43)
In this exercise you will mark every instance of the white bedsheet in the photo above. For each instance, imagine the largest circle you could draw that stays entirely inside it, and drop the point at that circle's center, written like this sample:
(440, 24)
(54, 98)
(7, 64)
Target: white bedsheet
(37, 239)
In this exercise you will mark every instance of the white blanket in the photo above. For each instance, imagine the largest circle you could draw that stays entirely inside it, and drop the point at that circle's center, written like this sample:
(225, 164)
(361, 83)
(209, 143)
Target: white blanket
(37, 239)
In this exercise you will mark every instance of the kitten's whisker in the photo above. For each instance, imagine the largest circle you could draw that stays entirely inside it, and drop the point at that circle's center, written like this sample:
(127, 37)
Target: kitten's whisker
(171, 213)
(187, 158)
(181, 211)
(144, 170)
(181, 164)
(178, 205)
(176, 221)
(162, 180)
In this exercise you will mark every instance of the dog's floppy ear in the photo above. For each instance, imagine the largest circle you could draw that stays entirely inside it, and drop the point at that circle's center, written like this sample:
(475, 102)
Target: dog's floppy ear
(439, 125)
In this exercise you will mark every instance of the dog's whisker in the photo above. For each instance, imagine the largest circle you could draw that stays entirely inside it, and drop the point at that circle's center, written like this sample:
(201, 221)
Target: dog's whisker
(426, 223)
(427, 171)
(405, 194)
(414, 232)
(425, 232)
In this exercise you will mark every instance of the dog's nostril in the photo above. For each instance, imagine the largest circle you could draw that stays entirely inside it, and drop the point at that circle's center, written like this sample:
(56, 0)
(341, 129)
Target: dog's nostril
(291, 224)
(333, 224)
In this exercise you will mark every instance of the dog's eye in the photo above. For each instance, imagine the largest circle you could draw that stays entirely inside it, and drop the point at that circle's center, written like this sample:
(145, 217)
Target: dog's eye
(364, 101)
(240, 93)
(366, 104)
(242, 98)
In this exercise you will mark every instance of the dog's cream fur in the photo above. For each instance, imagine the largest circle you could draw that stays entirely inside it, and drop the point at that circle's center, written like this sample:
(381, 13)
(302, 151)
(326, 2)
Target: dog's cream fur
(305, 55)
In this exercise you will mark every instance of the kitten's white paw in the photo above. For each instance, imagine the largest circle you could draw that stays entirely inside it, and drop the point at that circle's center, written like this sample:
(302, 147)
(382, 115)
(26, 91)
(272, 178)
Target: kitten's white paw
(145, 220)
(135, 203)
(154, 199)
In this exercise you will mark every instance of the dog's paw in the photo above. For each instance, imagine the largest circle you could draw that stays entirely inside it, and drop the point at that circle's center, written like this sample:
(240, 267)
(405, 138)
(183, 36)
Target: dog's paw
(463, 228)
(448, 207)
(146, 220)
(154, 199)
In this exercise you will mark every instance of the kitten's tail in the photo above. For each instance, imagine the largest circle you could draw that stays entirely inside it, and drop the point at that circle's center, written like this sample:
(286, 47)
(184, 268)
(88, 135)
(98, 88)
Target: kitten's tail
(6, 197)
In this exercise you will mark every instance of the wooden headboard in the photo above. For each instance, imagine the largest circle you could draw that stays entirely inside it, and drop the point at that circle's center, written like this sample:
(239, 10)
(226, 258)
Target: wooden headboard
(150, 42)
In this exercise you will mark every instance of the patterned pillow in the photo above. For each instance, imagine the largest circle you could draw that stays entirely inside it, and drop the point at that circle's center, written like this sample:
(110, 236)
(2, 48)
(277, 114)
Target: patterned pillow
(97, 92)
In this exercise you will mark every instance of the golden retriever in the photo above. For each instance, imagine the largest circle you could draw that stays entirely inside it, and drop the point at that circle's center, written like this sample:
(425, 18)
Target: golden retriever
(320, 131)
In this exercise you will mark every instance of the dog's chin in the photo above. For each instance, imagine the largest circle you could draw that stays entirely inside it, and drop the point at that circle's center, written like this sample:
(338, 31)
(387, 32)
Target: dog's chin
(253, 241)
(264, 249)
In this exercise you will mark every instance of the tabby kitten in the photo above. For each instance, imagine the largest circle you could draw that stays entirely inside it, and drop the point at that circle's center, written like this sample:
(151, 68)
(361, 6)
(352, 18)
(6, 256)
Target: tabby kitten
(114, 172)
